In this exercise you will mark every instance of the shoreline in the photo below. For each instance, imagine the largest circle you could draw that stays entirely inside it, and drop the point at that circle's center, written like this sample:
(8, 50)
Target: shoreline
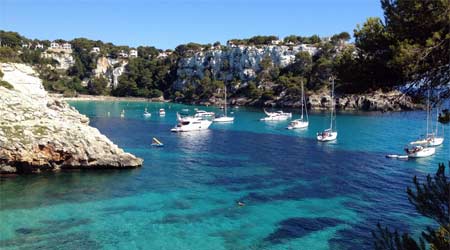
(313, 108)
(106, 98)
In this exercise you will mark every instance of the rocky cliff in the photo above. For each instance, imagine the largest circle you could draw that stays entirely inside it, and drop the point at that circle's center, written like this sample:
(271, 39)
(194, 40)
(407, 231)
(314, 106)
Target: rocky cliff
(38, 133)
(241, 61)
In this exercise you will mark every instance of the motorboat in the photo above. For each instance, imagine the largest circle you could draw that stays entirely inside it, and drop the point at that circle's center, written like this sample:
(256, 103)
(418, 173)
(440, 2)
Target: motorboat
(418, 151)
(330, 134)
(225, 117)
(191, 123)
(122, 114)
(162, 112)
(276, 116)
(301, 123)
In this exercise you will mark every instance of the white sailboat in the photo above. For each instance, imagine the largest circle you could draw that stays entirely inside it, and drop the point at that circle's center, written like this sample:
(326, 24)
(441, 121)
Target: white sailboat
(191, 123)
(329, 134)
(225, 117)
(300, 123)
(431, 138)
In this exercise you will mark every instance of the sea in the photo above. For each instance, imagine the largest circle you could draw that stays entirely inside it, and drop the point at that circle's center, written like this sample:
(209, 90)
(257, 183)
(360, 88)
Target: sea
(296, 192)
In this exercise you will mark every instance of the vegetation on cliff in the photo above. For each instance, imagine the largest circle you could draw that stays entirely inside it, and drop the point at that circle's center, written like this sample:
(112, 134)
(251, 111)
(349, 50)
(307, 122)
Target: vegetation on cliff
(411, 45)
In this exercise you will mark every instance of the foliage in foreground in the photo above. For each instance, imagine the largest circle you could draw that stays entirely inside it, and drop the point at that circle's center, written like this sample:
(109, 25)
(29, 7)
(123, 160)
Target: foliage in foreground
(431, 198)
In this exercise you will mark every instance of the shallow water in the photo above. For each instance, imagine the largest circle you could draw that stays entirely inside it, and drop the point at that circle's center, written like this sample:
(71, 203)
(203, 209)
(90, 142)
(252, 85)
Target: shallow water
(299, 194)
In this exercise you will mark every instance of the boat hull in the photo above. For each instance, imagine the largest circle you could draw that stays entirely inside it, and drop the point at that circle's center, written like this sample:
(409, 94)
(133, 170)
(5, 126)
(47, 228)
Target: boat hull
(224, 119)
(331, 136)
(437, 141)
(192, 127)
(298, 124)
(423, 153)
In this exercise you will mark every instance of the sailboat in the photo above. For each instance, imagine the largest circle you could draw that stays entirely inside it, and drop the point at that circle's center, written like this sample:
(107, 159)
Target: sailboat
(421, 148)
(224, 118)
(329, 134)
(431, 139)
(300, 123)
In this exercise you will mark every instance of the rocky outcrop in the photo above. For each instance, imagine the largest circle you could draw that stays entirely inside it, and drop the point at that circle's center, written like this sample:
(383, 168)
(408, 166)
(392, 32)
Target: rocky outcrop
(241, 61)
(375, 101)
(39, 133)
(65, 60)
(111, 69)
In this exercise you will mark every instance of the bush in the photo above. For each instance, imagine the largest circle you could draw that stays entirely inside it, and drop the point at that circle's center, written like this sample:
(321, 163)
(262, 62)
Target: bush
(6, 84)
(70, 93)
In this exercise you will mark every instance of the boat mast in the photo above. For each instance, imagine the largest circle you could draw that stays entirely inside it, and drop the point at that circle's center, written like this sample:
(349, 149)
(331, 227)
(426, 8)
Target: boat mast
(428, 110)
(304, 103)
(303, 99)
(332, 102)
(225, 91)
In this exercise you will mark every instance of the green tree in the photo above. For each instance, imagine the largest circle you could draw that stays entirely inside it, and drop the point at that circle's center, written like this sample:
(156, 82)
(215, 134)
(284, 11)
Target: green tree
(431, 199)
(97, 86)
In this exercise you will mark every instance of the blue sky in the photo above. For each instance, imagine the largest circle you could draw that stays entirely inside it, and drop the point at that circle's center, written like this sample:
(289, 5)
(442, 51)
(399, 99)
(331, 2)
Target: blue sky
(166, 24)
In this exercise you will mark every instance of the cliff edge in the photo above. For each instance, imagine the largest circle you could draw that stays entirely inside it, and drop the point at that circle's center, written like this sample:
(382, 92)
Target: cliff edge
(39, 133)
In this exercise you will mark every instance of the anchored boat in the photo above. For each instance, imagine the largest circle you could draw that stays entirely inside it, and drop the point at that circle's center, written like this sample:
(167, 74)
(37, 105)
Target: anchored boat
(329, 134)
(300, 123)
(190, 123)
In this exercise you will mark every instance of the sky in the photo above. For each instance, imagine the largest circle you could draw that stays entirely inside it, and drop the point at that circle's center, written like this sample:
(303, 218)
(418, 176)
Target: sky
(166, 24)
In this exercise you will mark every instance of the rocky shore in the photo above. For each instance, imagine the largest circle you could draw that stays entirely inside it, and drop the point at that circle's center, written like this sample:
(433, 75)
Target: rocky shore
(40, 133)
(376, 101)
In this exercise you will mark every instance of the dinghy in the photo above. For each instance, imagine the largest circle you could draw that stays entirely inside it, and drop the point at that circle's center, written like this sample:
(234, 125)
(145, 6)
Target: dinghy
(157, 143)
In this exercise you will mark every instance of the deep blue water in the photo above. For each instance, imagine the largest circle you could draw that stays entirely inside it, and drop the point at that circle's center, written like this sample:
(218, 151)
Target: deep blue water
(299, 194)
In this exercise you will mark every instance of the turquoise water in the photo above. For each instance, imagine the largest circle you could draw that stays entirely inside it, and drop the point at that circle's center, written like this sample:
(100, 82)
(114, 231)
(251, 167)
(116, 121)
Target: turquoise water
(299, 194)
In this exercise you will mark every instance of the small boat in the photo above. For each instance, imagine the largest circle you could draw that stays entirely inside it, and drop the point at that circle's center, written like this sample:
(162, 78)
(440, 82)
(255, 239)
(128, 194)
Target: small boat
(191, 123)
(391, 156)
(276, 116)
(122, 114)
(225, 118)
(147, 114)
(162, 112)
(300, 123)
(184, 111)
(419, 151)
(157, 143)
(329, 134)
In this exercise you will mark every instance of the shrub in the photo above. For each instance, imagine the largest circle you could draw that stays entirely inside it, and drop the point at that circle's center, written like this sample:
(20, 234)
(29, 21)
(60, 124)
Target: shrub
(6, 84)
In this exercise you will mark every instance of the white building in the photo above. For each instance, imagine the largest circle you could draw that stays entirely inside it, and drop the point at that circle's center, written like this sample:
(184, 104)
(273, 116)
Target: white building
(123, 54)
(275, 42)
(67, 46)
(312, 50)
(39, 46)
(95, 50)
(133, 53)
(54, 45)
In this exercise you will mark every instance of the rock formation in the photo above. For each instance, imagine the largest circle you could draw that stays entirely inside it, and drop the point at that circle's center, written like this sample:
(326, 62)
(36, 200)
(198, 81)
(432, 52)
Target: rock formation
(38, 133)
(242, 61)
